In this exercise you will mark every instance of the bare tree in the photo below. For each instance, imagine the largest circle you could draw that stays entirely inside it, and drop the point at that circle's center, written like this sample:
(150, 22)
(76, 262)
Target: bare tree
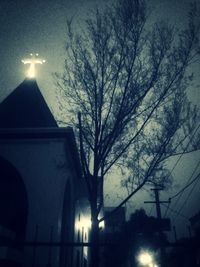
(125, 84)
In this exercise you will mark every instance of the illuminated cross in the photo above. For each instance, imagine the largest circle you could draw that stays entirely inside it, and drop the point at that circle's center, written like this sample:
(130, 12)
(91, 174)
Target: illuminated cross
(33, 60)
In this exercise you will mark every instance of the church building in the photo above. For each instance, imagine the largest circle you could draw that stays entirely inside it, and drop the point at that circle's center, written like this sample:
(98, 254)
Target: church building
(42, 193)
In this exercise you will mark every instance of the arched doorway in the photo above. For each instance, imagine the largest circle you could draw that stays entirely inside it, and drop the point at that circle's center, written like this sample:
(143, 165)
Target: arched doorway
(13, 205)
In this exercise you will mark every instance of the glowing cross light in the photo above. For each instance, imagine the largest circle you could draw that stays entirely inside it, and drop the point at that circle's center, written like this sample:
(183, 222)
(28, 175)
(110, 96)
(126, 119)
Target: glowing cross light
(33, 60)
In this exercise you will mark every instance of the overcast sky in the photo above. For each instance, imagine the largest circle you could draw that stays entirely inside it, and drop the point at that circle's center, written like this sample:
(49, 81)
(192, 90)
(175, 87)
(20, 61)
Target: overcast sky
(39, 27)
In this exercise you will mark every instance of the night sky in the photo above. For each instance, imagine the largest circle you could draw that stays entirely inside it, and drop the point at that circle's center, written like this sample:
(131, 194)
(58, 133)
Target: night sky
(39, 27)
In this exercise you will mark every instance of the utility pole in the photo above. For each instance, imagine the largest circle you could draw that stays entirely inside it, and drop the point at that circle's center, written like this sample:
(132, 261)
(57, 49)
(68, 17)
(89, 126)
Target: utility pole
(159, 216)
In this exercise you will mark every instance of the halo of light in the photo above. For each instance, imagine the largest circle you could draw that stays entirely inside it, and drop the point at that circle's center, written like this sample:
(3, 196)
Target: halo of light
(145, 258)
(32, 61)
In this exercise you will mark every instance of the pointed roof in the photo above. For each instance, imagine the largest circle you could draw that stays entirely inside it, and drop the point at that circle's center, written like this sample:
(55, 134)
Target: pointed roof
(25, 107)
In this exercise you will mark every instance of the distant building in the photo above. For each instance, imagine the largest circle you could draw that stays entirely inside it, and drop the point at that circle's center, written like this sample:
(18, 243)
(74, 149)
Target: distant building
(42, 194)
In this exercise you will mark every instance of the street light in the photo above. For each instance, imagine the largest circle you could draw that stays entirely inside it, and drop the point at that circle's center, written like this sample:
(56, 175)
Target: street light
(145, 258)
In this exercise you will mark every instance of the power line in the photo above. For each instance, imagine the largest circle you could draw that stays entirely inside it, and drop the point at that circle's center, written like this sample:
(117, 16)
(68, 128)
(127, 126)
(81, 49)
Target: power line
(189, 195)
(176, 163)
(184, 150)
(197, 166)
(185, 187)
(179, 211)
(175, 211)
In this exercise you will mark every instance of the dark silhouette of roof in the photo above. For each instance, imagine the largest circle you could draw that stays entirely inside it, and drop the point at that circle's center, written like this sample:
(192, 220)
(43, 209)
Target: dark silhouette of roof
(25, 107)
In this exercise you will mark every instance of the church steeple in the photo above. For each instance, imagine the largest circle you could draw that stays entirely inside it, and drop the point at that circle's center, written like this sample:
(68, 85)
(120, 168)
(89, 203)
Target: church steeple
(25, 107)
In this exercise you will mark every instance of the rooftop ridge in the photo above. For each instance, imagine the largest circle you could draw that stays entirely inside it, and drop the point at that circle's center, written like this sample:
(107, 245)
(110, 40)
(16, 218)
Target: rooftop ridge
(25, 107)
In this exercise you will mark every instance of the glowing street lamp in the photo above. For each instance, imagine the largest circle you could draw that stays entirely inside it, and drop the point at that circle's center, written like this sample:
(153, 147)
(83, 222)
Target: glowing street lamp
(33, 60)
(145, 258)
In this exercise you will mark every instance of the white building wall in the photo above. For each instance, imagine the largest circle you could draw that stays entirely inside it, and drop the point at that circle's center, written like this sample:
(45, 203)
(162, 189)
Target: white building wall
(45, 169)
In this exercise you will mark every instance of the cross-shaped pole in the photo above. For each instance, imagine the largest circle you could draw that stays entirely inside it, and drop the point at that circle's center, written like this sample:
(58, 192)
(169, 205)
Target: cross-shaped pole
(33, 60)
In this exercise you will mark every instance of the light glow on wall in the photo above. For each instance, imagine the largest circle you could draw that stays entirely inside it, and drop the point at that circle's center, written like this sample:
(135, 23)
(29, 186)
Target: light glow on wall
(85, 222)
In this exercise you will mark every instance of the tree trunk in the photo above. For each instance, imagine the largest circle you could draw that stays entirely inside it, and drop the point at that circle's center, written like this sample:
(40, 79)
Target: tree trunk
(94, 239)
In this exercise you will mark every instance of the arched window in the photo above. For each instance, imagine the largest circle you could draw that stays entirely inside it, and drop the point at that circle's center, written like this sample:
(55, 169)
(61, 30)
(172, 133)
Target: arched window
(13, 200)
